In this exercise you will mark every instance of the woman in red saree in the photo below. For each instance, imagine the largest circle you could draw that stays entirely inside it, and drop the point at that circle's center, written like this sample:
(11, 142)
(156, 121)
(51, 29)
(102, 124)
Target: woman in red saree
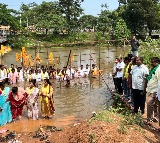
(17, 99)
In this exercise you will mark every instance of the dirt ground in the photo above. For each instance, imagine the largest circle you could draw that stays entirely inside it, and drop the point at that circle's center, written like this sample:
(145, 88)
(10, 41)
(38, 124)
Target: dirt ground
(92, 132)
(97, 132)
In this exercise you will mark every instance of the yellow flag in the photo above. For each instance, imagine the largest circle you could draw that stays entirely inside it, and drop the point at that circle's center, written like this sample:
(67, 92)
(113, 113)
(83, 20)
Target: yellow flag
(72, 58)
(2, 49)
(31, 62)
(24, 53)
(7, 49)
(18, 57)
(38, 58)
(50, 58)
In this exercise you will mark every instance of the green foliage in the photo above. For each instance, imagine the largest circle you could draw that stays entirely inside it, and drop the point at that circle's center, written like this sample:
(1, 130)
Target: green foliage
(128, 120)
(87, 21)
(141, 15)
(102, 116)
(121, 30)
(122, 129)
(149, 48)
(92, 138)
(71, 9)
(19, 41)
(100, 37)
(131, 119)
(50, 18)
(103, 24)
(7, 17)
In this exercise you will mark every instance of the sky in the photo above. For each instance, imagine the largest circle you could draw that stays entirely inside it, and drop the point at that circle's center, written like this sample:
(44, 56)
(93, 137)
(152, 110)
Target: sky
(92, 7)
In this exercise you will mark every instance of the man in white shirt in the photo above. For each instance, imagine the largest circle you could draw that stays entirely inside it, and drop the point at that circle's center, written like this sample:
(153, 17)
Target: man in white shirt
(114, 73)
(81, 71)
(37, 76)
(152, 88)
(19, 75)
(87, 70)
(70, 72)
(119, 68)
(44, 75)
(3, 73)
(138, 84)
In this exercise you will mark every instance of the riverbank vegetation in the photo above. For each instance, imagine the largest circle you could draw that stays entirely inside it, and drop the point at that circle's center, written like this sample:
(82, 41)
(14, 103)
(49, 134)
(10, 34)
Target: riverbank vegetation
(64, 22)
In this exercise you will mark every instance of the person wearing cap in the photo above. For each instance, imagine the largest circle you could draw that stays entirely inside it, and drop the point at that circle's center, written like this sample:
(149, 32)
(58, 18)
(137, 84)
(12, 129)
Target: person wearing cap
(5, 110)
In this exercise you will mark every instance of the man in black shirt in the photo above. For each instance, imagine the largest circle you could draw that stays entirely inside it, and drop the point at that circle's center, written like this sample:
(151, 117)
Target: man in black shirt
(134, 46)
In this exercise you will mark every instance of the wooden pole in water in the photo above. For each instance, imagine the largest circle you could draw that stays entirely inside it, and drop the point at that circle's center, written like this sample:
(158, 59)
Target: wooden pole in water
(22, 63)
(99, 58)
(80, 58)
(69, 56)
(102, 76)
(124, 45)
(59, 59)
(108, 63)
(35, 52)
(60, 82)
(47, 56)
(99, 64)
(90, 69)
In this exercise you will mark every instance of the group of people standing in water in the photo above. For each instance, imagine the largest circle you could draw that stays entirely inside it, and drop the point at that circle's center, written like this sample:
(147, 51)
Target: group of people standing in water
(12, 102)
(13, 98)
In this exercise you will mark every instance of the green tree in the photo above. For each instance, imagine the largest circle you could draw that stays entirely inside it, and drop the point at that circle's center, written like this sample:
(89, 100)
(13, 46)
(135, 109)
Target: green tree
(104, 22)
(71, 10)
(7, 17)
(50, 18)
(149, 48)
(88, 21)
(121, 30)
(142, 14)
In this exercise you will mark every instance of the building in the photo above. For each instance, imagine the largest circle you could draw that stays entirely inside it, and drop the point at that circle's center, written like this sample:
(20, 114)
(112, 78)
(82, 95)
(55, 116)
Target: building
(4, 30)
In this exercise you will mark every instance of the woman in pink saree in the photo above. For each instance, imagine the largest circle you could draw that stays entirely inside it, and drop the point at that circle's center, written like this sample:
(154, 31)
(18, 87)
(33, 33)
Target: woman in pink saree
(32, 105)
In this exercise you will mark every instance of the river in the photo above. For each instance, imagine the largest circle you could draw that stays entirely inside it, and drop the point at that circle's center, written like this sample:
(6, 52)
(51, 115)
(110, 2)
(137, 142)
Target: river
(77, 102)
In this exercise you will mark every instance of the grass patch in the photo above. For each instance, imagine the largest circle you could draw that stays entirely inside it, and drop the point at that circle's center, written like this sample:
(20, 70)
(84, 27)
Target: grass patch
(120, 114)
(105, 116)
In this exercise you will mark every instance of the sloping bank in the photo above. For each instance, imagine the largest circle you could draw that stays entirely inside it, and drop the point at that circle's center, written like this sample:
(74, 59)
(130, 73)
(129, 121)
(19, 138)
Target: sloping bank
(116, 125)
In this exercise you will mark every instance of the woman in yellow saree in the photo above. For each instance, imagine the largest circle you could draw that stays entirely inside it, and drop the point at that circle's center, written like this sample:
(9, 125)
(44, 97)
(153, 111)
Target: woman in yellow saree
(46, 98)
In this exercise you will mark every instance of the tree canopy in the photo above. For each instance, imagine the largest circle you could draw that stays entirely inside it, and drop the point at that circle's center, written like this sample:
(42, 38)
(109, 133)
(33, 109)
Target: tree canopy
(55, 17)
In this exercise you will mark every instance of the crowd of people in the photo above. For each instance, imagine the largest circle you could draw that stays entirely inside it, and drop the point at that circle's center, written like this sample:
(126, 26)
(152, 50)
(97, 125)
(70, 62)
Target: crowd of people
(133, 80)
(131, 77)
(12, 101)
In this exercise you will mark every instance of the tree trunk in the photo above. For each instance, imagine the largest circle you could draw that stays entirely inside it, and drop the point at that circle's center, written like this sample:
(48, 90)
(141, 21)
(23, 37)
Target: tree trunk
(150, 32)
(46, 31)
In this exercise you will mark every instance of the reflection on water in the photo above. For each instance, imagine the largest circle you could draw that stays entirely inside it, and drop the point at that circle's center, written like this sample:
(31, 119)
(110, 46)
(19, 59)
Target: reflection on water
(78, 101)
